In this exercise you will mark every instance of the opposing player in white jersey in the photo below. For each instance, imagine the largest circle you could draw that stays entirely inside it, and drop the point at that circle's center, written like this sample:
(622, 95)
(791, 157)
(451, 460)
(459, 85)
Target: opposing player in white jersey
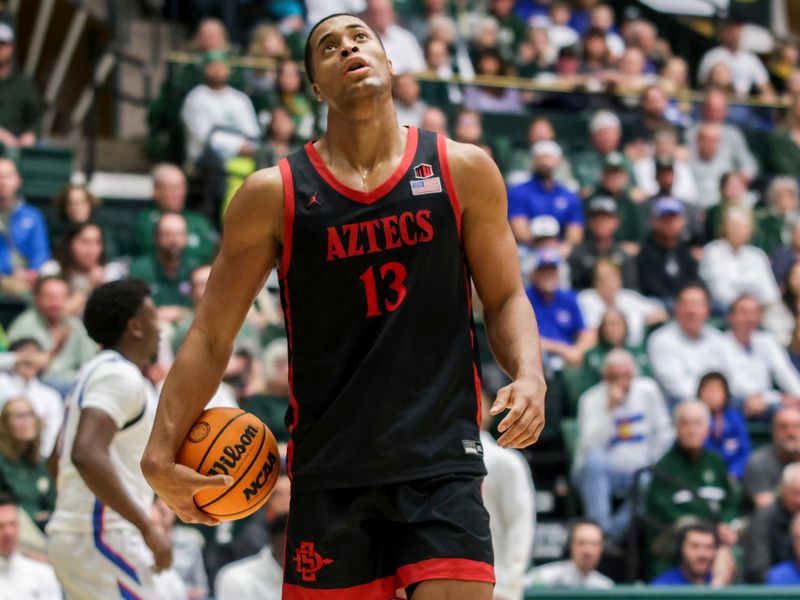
(102, 542)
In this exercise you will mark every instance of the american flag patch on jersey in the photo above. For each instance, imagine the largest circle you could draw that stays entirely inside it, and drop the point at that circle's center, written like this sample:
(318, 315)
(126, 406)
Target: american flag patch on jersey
(426, 186)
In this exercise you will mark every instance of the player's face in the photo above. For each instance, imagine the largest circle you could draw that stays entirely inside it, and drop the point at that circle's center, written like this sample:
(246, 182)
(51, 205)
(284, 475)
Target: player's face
(349, 61)
(149, 332)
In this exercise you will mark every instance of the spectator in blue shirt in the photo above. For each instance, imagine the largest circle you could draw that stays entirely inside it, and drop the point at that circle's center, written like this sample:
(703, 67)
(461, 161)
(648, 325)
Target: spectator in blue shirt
(788, 572)
(24, 246)
(543, 195)
(565, 337)
(727, 435)
(697, 547)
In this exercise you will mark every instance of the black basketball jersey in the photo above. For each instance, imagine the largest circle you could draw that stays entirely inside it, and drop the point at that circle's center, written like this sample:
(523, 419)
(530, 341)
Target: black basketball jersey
(377, 301)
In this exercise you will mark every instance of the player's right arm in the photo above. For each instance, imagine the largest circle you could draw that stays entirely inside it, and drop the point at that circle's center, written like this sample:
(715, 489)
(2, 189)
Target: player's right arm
(91, 456)
(250, 246)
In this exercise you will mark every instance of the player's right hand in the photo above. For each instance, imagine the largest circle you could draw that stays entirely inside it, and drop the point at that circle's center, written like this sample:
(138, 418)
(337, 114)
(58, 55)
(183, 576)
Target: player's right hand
(160, 545)
(176, 485)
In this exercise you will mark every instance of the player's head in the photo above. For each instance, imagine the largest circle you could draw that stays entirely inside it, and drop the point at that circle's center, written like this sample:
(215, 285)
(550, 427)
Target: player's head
(9, 525)
(121, 315)
(345, 60)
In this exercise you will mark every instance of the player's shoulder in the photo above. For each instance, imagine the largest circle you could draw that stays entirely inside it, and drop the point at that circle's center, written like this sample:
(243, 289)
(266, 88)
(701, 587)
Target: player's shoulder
(258, 205)
(463, 157)
(114, 368)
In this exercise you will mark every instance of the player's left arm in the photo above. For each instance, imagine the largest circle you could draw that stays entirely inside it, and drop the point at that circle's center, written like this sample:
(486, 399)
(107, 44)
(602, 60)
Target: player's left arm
(492, 257)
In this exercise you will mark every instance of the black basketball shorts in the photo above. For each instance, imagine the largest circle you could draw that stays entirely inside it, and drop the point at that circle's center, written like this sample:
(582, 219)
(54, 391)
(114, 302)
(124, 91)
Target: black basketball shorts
(365, 543)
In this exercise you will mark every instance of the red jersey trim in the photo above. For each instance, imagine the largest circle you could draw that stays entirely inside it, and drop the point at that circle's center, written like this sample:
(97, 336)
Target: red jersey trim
(286, 259)
(461, 569)
(380, 191)
(441, 145)
(380, 589)
(288, 214)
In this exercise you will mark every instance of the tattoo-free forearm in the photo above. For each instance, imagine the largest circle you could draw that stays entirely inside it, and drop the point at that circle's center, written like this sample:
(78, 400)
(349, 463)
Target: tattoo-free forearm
(514, 337)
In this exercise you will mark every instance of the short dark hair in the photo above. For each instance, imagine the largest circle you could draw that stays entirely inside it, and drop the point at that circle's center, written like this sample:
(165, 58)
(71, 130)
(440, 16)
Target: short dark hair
(573, 526)
(694, 285)
(697, 527)
(22, 342)
(42, 280)
(308, 51)
(110, 307)
(7, 499)
(715, 376)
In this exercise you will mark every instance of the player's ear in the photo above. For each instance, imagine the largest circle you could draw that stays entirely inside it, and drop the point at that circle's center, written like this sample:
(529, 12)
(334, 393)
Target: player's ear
(135, 327)
(317, 92)
(391, 68)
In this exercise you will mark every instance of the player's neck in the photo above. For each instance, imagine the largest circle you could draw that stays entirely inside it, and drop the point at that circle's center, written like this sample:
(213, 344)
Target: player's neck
(132, 353)
(363, 139)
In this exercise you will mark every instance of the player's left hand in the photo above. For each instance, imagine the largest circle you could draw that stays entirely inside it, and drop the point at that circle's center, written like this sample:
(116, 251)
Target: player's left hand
(525, 419)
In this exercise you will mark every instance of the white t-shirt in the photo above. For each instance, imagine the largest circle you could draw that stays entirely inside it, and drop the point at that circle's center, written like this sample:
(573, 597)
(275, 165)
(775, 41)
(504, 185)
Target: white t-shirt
(745, 67)
(22, 578)
(114, 385)
(205, 110)
(45, 401)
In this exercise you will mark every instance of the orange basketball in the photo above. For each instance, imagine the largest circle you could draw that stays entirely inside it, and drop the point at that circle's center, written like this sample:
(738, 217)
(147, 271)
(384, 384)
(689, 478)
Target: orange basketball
(230, 441)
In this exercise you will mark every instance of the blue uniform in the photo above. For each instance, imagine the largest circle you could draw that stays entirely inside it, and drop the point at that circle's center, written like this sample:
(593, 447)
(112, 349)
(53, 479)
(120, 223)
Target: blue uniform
(675, 577)
(532, 199)
(560, 319)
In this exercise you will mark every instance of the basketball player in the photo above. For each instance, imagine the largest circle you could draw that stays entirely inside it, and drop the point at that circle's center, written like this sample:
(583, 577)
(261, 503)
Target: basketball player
(376, 229)
(101, 541)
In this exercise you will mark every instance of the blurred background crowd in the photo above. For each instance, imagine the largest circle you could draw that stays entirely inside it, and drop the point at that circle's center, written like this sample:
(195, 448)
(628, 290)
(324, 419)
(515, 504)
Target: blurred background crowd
(652, 159)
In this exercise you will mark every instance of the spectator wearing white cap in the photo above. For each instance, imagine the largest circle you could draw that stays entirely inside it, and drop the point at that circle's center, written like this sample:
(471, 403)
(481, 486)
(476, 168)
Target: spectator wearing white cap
(600, 243)
(20, 103)
(731, 266)
(543, 195)
(565, 337)
(544, 234)
(605, 131)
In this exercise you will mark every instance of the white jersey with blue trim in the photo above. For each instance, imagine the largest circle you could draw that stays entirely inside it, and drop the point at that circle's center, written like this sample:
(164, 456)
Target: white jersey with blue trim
(113, 384)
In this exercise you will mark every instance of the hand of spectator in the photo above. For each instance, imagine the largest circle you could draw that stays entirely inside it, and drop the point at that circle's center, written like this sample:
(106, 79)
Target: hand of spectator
(727, 535)
(247, 149)
(754, 406)
(8, 139)
(176, 485)
(161, 546)
(27, 139)
(525, 419)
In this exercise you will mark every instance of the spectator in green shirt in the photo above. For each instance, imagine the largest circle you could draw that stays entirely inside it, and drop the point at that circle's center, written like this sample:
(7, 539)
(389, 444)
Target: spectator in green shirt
(169, 196)
(605, 132)
(775, 222)
(23, 473)
(167, 269)
(62, 337)
(692, 481)
(613, 183)
(20, 103)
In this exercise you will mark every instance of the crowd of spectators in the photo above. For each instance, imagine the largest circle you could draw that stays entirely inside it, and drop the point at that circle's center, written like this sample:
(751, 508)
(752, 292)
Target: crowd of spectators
(658, 247)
